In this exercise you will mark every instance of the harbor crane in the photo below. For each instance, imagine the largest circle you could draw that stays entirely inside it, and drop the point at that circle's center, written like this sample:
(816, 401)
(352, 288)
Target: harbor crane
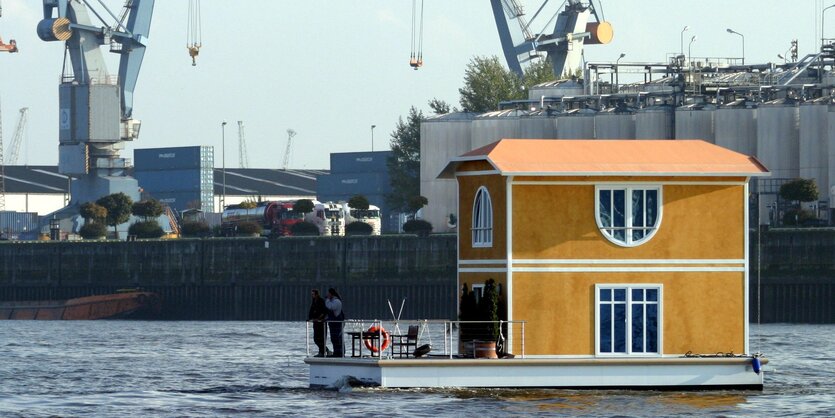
(96, 109)
(17, 139)
(290, 134)
(12, 45)
(563, 45)
(243, 159)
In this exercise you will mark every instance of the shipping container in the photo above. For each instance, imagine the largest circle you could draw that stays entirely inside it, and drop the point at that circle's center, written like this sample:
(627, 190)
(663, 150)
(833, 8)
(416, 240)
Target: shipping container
(181, 201)
(15, 223)
(359, 162)
(169, 181)
(353, 184)
(177, 158)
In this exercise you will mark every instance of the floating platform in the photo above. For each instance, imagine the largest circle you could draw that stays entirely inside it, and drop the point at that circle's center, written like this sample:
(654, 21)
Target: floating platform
(110, 306)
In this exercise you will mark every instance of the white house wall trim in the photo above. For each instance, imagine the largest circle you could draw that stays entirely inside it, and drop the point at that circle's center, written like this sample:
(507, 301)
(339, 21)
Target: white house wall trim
(481, 262)
(628, 261)
(625, 183)
(482, 270)
(476, 173)
(616, 269)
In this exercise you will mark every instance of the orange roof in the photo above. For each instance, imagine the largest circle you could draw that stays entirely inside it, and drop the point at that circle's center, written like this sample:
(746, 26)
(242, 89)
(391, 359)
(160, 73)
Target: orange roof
(611, 157)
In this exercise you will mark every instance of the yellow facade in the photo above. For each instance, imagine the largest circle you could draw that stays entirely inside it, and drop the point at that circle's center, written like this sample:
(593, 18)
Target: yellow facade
(558, 255)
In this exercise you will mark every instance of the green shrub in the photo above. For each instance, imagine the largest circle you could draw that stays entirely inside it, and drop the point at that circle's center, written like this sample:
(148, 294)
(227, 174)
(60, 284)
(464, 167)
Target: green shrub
(249, 228)
(304, 229)
(358, 228)
(146, 229)
(797, 216)
(417, 226)
(92, 230)
(195, 229)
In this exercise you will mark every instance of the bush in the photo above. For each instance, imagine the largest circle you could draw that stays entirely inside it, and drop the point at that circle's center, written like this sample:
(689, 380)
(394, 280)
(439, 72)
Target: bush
(303, 206)
(358, 228)
(195, 229)
(417, 226)
(797, 217)
(304, 229)
(146, 229)
(249, 228)
(92, 230)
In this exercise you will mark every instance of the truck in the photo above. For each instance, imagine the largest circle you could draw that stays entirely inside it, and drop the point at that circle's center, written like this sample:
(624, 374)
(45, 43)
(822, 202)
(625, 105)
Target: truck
(329, 217)
(370, 216)
(276, 218)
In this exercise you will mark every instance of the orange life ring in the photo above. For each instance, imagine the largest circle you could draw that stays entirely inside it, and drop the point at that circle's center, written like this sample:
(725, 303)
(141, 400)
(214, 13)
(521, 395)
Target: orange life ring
(369, 343)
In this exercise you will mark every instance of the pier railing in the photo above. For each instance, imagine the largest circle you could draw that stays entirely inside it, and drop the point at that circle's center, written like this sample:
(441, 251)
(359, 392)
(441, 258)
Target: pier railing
(424, 338)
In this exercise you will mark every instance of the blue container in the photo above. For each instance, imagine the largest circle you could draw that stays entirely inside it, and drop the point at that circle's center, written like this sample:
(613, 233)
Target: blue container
(360, 162)
(169, 181)
(179, 201)
(353, 184)
(177, 158)
(18, 222)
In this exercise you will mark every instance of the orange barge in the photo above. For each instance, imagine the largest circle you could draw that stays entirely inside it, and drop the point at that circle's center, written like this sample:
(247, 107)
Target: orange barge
(112, 306)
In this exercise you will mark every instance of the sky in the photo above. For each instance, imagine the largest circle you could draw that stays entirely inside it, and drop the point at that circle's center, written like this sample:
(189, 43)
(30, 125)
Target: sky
(330, 69)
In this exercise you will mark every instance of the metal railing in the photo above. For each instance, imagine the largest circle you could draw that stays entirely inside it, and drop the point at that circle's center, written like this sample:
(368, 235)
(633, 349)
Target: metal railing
(437, 338)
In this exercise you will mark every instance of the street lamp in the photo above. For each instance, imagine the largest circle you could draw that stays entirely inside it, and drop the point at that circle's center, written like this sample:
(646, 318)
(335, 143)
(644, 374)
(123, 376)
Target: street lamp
(690, 48)
(743, 42)
(372, 137)
(617, 63)
(681, 38)
(823, 38)
(223, 159)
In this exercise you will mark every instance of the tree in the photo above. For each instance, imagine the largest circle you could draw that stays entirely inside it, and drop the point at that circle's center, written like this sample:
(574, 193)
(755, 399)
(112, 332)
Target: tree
(92, 212)
(800, 190)
(486, 83)
(417, 203)
(539, 72)
(248, 204)
(359, 202)
(303, 206)
(404, 164)
(118, 207)
(439, 107)
(147, 209)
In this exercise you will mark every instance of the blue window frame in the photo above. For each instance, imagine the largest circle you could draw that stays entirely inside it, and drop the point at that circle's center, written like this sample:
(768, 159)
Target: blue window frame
(482, 219)
(628, 319)
(628, 215)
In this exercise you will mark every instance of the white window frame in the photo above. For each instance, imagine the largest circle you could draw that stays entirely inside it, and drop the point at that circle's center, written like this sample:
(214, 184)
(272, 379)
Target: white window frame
(629, 287)
(628, 189)
(478, 291)
(482, 222)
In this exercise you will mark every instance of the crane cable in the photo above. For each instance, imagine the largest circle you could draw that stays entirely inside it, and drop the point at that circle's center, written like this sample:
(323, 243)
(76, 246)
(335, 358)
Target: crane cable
(194, 33)
(416, 59)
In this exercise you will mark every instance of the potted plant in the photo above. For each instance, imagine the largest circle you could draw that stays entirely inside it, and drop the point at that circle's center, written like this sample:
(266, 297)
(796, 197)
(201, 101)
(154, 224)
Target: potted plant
(479, 339)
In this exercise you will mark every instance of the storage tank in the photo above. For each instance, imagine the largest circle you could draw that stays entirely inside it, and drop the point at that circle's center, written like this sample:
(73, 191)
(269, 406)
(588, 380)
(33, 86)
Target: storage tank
(576, 124)
(814, 146)
(540, 124)
(654, 122)
(778, 138)
(735, 126)
(558, 88)
(695, 121)
(441, 139)
(615, 123)
(492, 126)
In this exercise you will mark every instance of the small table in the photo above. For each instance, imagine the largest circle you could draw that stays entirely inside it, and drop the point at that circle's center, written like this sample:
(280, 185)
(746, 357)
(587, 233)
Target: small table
(358, 338)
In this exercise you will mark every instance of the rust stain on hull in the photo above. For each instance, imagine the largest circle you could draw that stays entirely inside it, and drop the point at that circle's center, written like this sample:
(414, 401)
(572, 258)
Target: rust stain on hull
(117, 305)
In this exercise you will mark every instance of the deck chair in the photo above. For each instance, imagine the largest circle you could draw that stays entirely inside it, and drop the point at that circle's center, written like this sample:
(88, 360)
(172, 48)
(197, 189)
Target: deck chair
(404, 345)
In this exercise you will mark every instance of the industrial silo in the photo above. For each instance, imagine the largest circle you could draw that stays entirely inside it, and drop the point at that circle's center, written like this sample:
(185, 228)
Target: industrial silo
(492, 126)
(654, 122)
(617, 122)
(441, 139)
(778, 137)
(814, 144)
(554, 89)
(576, 124)
(695, 121)
(540, 124)
(735, 127)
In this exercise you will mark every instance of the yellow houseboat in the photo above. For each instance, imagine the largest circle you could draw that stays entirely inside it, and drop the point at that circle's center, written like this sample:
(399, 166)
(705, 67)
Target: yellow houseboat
(624, 263)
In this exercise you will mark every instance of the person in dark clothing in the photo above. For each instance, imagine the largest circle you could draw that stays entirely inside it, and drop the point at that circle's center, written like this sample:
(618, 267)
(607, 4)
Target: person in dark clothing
(335, 317)
(318, 313)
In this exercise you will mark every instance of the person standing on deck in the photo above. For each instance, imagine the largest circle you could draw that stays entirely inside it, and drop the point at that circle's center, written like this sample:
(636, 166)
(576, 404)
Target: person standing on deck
(318, 313)
(335, 315)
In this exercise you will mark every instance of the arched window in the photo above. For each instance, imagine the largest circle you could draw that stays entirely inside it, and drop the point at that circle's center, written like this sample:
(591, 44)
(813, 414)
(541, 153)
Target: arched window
(482, 219)
(628, 215)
